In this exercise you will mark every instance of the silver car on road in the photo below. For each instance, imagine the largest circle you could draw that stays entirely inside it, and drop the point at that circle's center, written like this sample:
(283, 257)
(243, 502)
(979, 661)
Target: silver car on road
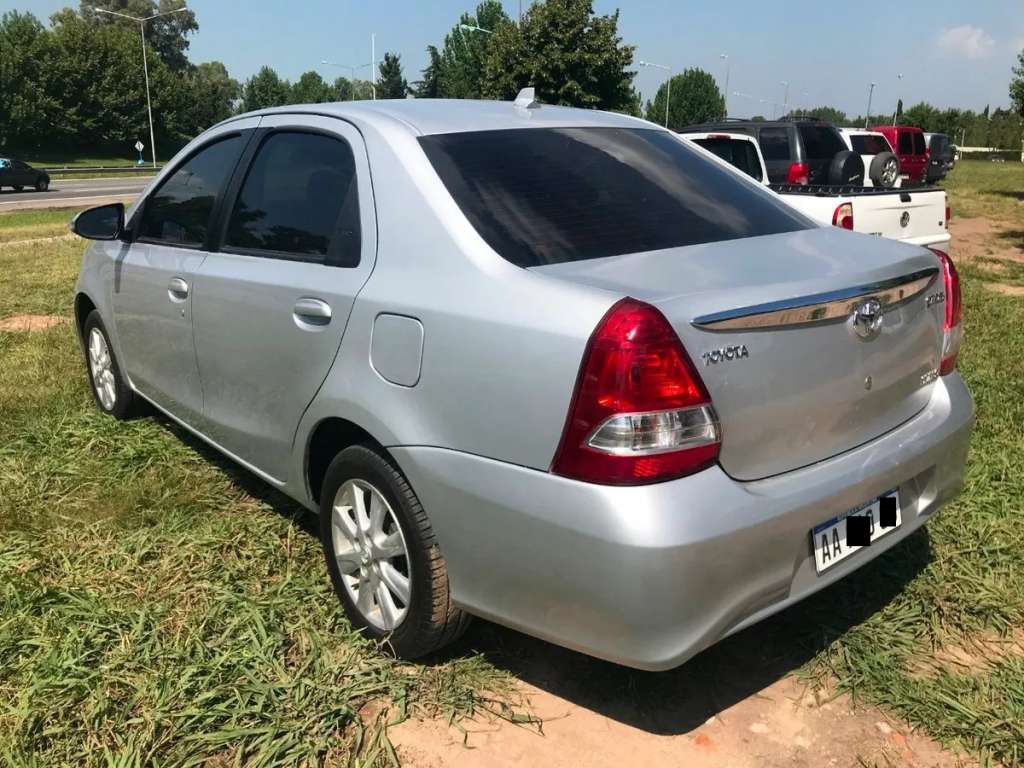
(547, 366)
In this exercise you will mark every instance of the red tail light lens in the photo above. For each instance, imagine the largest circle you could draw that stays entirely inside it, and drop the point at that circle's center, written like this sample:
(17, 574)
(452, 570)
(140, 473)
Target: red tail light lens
(949, 215)
(640, 412)
(953, 333)
(843, 216)
(798, 173)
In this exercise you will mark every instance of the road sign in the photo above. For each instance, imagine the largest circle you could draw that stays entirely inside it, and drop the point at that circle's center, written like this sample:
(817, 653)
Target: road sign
(139, 146)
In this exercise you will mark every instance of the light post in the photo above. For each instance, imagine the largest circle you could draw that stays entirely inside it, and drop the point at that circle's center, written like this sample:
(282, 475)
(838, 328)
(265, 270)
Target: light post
(145, 64)
(867, 117)
(475, 28)
(668, 86)
(785, 96)
(351, 68)
(899, 78)
(373, 64)
(725, 93)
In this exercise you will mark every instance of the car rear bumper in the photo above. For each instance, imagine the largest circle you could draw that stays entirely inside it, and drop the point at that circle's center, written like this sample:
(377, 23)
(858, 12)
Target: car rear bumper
(648, 576)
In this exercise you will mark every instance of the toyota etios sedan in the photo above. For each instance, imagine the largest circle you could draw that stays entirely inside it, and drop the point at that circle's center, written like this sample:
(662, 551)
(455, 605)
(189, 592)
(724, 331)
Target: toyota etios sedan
(548, 366)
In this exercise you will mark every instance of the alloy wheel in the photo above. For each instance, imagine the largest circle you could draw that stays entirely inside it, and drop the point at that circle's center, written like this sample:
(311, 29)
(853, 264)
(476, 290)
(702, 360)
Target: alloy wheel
(371, 554)
(102, 369)
(889, 173)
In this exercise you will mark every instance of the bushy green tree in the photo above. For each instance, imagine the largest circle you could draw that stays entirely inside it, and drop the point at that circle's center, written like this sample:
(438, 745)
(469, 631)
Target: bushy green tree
(460, 67)
(392, 83)
(310, 88)
(28, 97)
(1017, 86)
(168, 35)
(212, 94)
(430, 86)
(565, 51)
(265, 89)
(922, 114)
(695, 98)
(829, 114)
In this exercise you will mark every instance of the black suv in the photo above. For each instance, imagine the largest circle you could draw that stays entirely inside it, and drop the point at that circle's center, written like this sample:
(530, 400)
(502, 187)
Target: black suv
(798, 151)
(19, 174)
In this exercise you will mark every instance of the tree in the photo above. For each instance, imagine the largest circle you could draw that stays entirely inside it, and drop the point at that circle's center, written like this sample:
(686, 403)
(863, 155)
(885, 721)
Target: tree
(462, 59)
(922, 114)
(430, 86)
(212, 94)
(27, 103)
(392, 83)
(829, 114)
(568, 54)
(1017, 86)
(310, 88)
(265, 89)
(168, 35)
(695, 98)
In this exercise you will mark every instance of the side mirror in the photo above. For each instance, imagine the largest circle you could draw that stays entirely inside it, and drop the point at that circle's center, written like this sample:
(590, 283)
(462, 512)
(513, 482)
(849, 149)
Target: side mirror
(104, 222)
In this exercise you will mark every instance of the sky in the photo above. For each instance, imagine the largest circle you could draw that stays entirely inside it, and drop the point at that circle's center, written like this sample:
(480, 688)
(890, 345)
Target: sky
(950, 54)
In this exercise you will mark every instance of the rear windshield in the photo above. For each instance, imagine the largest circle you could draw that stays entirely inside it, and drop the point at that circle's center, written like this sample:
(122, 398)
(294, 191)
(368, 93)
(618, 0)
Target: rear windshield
(869, 145)
(738, 153)
(551, 195)
(918, 143)
(821, 142)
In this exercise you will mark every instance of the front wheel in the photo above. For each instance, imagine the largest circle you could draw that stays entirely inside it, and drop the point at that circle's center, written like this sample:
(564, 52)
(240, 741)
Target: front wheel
(17, 188)
(383, 557)
(42, 185)
(112, 394)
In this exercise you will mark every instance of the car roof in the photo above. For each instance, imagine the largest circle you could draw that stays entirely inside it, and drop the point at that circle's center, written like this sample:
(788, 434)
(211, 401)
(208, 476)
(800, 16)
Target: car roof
(433, 116)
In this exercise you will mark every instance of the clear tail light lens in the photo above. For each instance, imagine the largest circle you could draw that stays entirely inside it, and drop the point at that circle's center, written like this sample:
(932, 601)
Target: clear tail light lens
(843, 216)
(640, 412)
(952, 327)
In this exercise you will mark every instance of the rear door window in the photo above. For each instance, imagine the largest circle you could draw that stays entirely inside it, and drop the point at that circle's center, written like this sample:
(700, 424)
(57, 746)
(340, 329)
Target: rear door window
(869, 145)
(774, 143)
(299, 200)
(737, 152)
(821, 142)
(918, 143)
(551, 195)
(906, 143)
(179, 212)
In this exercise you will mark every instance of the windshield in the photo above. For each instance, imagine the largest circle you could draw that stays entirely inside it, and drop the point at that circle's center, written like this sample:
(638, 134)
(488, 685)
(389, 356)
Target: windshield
(821, 142)
(550, 195)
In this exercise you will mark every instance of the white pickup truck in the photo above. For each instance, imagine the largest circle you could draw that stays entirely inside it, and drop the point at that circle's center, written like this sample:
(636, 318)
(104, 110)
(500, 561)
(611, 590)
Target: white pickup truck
(912, 215)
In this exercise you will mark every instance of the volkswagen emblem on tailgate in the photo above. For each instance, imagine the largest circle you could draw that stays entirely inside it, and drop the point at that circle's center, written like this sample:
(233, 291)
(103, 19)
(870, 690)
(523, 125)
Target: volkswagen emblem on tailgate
(866, 319)
(905, 219)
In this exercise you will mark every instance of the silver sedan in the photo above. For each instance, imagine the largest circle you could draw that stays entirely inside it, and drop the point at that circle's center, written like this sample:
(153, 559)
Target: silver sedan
(548, 366)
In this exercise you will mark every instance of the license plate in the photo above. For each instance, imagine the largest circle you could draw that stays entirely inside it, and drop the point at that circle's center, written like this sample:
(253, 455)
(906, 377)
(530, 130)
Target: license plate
(830, 538)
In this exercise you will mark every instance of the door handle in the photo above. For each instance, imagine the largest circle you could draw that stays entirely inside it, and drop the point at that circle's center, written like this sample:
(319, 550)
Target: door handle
(177, 289)
(309, 311)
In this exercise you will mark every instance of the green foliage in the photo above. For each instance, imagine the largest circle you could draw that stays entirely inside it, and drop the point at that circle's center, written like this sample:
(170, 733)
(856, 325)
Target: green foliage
(829, 114)
(694, 98)
(168, 35)
(392, 83)
(567, 53)
(459, 69)
(211, 94)
(430, 86)
(265, 89)
(1001, 128)
(1017, 86)
(310, 88)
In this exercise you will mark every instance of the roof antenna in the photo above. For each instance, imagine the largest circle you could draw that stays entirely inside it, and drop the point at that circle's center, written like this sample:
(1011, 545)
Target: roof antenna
(526, 99)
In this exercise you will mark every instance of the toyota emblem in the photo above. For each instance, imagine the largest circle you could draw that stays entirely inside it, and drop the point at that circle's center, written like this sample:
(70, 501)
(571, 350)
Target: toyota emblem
(866, 319)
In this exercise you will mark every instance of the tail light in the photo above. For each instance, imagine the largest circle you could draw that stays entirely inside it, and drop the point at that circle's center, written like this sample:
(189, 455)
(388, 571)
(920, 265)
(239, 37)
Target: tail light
(640, 413)
(798, 173)
(949, 215)
(843, 216)
(952, 326)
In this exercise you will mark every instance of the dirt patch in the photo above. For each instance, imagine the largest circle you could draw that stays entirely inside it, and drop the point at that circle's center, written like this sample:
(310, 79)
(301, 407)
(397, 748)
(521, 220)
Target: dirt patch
(31, 322)
(971, 656)
(977, 239)
(1006, 290)
(784, 724)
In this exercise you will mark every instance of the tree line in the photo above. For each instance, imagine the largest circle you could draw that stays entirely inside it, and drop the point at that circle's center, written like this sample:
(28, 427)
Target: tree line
(76, 85)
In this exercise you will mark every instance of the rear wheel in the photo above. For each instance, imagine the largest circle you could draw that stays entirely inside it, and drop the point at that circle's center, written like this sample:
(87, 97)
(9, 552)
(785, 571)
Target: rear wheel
(112, 394)
(382, 556)
(18, 188)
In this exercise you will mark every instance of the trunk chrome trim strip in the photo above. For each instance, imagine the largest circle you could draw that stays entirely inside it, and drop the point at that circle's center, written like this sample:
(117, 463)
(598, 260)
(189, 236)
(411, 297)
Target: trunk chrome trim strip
(819, 307)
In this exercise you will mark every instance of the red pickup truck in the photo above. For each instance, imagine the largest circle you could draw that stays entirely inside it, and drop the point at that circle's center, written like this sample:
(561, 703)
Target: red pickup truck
(910, 147)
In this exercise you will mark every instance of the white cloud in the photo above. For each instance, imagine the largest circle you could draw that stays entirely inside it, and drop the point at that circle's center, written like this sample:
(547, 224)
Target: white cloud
(968, 41)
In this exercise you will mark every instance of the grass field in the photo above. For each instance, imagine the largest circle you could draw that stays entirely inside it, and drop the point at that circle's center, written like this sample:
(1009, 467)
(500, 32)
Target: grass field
(159, 606)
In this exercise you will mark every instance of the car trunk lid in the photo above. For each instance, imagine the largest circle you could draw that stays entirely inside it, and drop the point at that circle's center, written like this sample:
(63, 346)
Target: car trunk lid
(767, 323)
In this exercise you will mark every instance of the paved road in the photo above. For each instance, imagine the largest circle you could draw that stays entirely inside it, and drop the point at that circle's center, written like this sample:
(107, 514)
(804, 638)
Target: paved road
(74, 193)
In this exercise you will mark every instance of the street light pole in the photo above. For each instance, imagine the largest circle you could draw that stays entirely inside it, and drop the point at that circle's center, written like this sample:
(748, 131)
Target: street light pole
(867, 117)
(373, 64)
(145, 64)
(785, 96)
(899, 77)
(726, 93)
(351, 68)
(668, 86)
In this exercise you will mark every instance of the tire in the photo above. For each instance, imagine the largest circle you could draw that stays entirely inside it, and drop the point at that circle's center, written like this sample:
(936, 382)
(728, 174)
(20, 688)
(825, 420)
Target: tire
(885, 170)
(846, 169)
(42, 185)
(428, 620)
(17, 188)
(110, 391)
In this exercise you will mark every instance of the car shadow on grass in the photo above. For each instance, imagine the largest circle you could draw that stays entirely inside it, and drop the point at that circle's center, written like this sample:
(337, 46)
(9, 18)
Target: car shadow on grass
(680, 700)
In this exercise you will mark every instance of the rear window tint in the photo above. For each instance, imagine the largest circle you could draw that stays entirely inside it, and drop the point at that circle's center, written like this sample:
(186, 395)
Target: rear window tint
(906, 143)
(774, 143)
(740, 154)
(821, 142)
(918, 143)
(869, 145)
(551, 195)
